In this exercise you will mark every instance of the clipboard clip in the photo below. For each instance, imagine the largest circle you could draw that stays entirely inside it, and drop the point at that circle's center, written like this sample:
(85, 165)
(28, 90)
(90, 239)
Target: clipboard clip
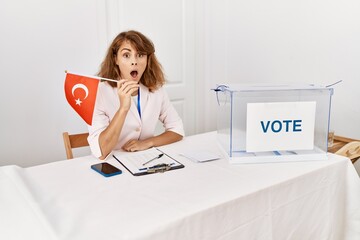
(159, 168)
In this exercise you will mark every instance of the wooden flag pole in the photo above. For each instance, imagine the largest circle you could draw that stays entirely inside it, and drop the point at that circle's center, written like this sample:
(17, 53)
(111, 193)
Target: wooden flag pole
(96, 77)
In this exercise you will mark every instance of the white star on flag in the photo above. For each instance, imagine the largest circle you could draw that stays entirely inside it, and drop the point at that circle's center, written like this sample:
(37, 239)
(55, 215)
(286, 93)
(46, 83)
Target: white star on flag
(78, 101)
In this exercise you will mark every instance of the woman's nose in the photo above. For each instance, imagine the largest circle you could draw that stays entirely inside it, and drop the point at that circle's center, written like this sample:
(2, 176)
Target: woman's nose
(134, 63)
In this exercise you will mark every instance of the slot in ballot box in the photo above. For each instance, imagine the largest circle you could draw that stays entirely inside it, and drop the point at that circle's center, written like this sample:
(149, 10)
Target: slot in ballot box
(259, 124)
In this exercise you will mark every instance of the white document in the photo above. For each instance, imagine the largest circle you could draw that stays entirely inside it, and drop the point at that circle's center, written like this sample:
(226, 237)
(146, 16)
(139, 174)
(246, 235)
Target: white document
(200, 156)
(280, 126)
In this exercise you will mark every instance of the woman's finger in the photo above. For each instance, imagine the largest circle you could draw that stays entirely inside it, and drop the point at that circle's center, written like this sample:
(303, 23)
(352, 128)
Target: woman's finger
(120, 83)
(129, 143)
(129, 87)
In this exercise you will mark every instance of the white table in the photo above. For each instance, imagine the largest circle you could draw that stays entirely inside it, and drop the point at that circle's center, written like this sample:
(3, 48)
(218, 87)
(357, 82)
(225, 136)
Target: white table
(213, 200)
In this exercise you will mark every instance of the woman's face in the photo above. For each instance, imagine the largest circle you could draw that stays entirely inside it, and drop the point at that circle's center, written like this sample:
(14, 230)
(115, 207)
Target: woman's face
(131, 63)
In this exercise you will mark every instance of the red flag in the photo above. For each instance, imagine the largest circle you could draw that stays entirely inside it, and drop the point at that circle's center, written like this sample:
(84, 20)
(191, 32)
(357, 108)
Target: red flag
(80, 93)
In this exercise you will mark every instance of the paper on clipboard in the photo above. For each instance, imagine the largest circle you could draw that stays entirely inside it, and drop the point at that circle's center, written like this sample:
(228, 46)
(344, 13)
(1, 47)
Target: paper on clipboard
(136, 162)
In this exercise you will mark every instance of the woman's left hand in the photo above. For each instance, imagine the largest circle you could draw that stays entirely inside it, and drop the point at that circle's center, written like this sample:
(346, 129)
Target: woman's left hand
(136, 145)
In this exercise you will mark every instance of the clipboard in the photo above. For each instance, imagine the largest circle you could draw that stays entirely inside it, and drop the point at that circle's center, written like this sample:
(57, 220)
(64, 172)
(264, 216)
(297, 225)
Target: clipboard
(147, 162)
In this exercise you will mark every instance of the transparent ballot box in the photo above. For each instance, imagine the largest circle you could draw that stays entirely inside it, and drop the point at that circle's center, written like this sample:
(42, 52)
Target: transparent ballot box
(259, 124)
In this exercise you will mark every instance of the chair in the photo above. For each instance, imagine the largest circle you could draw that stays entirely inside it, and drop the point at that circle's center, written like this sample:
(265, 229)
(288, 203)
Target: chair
(350, 150)
(74, 141)
(346, 147)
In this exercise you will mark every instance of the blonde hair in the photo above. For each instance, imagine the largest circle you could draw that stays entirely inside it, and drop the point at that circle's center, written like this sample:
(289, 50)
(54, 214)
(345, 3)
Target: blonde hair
(153, 76)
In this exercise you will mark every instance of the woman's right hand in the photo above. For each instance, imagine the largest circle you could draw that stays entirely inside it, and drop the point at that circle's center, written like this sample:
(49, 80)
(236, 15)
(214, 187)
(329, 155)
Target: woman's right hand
(125, 89)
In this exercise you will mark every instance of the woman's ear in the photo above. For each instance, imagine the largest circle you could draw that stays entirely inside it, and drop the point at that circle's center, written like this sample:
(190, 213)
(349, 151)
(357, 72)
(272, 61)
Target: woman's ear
(115, 58)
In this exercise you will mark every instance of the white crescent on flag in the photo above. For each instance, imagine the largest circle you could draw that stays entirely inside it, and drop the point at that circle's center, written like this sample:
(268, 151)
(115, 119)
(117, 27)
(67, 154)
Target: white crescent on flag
(82, 86)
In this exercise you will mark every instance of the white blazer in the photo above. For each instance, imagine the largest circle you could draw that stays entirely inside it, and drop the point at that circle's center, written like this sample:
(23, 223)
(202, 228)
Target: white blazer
(154, 106)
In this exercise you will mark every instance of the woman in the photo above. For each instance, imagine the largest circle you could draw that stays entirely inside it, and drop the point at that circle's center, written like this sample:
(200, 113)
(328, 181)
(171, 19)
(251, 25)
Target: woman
(126, 112)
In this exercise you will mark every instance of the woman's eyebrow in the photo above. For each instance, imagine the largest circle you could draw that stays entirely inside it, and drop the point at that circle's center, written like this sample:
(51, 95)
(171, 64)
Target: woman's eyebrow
(126, 49)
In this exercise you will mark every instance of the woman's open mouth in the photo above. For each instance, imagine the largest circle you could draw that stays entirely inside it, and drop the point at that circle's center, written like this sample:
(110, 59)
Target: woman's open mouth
(134, 74)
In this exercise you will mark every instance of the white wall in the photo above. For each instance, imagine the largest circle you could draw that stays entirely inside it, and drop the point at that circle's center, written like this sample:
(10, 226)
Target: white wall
(39, 40)
(282, 41)
(235, 41)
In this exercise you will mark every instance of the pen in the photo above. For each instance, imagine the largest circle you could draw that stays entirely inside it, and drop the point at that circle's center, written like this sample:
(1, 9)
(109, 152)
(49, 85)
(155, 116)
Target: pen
(157, 157)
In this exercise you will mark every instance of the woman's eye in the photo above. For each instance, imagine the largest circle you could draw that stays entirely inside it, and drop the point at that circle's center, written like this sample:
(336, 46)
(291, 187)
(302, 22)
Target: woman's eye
(126, 55)
(140, 55)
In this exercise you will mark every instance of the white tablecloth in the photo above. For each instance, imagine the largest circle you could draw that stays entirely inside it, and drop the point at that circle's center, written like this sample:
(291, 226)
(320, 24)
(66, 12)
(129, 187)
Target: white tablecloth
(214, 200)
